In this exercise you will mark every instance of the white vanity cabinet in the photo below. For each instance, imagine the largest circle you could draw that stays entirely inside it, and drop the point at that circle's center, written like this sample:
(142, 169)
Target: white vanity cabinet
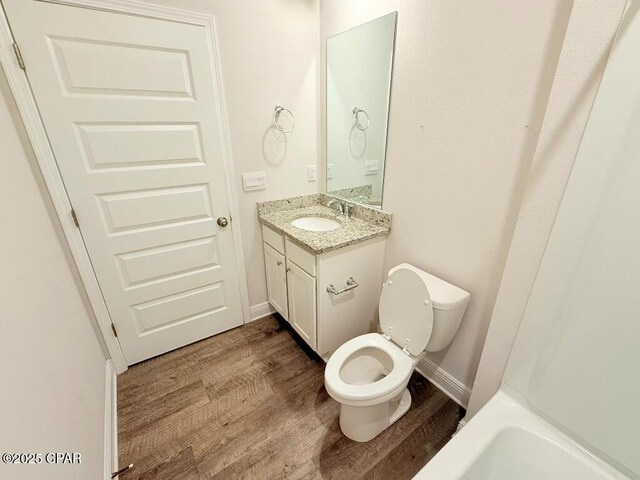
(297, 288)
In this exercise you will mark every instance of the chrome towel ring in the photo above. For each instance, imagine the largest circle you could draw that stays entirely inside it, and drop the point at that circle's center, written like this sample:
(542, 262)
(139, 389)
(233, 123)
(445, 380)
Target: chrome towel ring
(356, 122)
(276, 115)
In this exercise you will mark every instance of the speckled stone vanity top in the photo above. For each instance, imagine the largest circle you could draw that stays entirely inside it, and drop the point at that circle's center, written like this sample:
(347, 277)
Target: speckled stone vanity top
(365, 223)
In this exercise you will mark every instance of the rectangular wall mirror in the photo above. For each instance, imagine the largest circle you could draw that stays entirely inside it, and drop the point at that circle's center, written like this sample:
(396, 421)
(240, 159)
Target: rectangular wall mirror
(359, 69)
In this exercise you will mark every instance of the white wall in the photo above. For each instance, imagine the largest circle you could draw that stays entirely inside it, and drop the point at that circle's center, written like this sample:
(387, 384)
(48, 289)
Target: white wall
(53, 366)
(576, 358)
(588, 41)
(268, 55)
(470, 85)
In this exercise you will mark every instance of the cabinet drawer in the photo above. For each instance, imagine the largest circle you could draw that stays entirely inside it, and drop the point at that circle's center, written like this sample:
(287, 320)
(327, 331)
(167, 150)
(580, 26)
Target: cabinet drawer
(276, 240)
(301, 257)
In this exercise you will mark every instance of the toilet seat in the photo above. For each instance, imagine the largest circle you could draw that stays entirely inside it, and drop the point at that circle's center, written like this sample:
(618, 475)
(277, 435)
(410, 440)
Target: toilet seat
(406, 311)
(369, 393)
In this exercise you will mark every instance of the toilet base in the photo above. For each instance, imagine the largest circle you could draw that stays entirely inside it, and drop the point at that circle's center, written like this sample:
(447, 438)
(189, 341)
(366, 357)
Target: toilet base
(402, 406)
(362, 424)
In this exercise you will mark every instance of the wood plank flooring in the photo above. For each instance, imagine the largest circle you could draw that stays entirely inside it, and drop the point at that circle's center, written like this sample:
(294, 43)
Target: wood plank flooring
(250, 404)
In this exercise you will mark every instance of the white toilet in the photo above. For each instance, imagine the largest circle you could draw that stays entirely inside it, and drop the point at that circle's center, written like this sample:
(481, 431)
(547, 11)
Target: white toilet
(369, 374)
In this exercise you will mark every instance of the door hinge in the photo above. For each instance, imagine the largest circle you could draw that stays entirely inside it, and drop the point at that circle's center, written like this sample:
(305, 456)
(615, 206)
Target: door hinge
(74, 215)
(16, 50)
(113, 329)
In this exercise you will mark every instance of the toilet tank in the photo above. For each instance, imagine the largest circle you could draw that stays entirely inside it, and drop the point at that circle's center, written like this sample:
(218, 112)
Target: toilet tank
(449, 304)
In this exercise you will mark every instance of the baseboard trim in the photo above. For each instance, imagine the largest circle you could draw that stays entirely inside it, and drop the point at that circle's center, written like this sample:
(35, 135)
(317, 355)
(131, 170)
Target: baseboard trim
(110, 421)
(452, 387)
(261, 310)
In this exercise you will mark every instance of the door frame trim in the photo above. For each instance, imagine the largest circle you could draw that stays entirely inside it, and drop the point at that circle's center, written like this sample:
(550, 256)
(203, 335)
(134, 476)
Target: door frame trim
(36, 132)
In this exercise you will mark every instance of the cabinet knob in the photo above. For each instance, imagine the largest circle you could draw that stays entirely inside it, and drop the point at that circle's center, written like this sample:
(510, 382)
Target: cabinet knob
(278, 262)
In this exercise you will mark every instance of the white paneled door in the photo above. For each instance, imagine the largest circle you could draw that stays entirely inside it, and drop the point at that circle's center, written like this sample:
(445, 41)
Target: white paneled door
(130, 108)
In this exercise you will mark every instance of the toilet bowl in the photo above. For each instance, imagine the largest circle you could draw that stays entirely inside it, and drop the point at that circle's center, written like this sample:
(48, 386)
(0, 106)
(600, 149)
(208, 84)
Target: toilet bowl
(368, 375)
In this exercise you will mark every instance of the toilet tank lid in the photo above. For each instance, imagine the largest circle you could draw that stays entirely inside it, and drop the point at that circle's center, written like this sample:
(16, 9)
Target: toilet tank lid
(444, 295)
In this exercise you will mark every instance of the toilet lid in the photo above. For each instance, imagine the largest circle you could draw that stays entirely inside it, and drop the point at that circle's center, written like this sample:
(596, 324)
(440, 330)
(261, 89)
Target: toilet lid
(405, 308)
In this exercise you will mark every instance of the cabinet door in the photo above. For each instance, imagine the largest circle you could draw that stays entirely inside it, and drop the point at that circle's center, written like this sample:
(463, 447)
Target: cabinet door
(276, 280)
(302, 303)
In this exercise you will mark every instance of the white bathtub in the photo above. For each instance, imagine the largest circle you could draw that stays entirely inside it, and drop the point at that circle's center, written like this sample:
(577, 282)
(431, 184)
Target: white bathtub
(507, 441)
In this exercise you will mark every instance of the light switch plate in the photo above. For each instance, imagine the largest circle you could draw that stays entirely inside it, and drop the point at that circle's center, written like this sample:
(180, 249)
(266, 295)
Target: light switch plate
(371, 167)
(254, 181)
(329, 170)
(312, 173)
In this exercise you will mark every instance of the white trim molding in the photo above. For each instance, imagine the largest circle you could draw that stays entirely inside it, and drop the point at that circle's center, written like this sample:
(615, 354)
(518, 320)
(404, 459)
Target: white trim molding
(36, 132)
(110, 421)
(452, 387)
(261, 310)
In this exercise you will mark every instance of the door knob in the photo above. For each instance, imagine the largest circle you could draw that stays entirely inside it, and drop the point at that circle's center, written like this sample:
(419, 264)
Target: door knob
(223, 222)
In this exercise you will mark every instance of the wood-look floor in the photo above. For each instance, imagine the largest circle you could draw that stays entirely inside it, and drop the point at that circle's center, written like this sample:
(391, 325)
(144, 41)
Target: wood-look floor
(251, 404)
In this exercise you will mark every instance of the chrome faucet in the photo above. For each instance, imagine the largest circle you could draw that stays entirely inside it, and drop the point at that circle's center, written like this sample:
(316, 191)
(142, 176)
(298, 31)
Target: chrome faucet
(343, 207)
(335, 201)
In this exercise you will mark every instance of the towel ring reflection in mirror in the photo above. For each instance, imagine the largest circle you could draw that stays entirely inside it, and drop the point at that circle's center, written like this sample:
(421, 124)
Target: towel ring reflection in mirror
(357, 111)
(276, 115)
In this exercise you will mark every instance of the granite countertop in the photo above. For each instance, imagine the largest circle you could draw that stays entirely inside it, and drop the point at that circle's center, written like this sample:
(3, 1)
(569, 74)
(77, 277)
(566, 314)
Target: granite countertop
(353, 230)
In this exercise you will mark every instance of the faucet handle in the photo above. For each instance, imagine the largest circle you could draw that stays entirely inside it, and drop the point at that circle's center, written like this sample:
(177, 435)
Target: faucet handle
(348, 209)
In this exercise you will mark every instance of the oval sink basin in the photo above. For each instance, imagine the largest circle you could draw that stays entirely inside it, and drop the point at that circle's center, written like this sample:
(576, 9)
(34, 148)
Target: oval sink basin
(316, 224)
